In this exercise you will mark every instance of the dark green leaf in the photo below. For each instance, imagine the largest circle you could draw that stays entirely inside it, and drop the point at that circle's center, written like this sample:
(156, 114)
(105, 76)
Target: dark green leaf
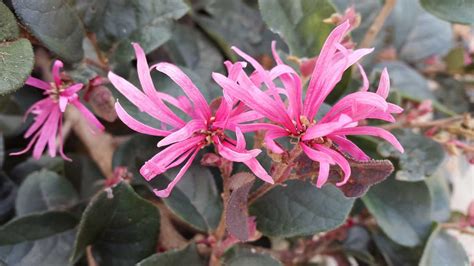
(85, 175)
(8, 27)
(239, 256)
(186, 256)
(443, 249)
(51, 251)
(25, 168)
(121, 227)
(357, 244)
(299, 23)
(195, 198)
(457, 11)
(36, 226)
(8, 191)
(134, 153)
(44, 190)
(299, 208)
(16, 63)
(452, 93)
(55, 24)
(118, 23)
(401, 207)
(2, 150)
(422, 156)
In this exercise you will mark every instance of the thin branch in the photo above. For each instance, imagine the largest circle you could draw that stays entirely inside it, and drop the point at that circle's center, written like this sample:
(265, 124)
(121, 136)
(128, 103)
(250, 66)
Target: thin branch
(376, 26)
(458, 228)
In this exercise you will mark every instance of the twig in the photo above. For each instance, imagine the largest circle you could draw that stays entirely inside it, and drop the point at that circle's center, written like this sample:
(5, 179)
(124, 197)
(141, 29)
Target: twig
(376, 26)
(435, 123)
(458, 228)
(101, 146)
(90, 258)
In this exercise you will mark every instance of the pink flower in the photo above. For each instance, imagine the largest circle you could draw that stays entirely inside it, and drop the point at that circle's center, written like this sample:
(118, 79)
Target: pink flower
(48, 112)
(184, 139)
(294, 116)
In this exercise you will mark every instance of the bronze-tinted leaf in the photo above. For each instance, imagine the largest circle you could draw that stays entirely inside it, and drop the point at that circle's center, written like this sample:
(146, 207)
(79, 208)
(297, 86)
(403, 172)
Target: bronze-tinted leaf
(364, 174)
(236, 215)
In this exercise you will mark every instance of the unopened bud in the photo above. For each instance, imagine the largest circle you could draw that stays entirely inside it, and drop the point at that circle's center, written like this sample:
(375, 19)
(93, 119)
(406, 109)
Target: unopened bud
(102, 102)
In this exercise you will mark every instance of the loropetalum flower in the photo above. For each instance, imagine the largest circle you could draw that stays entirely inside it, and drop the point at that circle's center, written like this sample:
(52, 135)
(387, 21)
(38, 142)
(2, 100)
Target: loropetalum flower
(183, 138)
(48, 112)
(295, 116)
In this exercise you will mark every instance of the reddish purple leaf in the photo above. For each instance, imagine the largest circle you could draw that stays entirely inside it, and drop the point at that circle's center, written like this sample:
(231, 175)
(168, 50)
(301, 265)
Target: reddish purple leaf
(237, 211)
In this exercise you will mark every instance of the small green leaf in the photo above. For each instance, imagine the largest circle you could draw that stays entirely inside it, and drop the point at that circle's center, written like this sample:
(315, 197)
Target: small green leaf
(44, 190)
(16, 63)
(393, 253)
(422, 156)
(185, 256)
(8, 27)
(195, 198)
(457, 11)
(8, 192)
(299, 23)
(440, 197)
(299, 208)
(121, 227)
(239, 256)
(401, 207)
(36, 226)
(55, 24)
(443, 249)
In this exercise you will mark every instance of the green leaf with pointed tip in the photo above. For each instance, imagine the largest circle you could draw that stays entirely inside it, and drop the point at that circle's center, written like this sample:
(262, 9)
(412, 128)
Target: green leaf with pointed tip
(299, 23)
(299, 208)
(240, 256)
(399, 206)
(16, 63)
(422, 156)
(36, 226)
(55, 24)
(186, 256)
(121, 226)
(195, 198)
(44, 190)
(457, 11)
(8, 27)
(443, 249)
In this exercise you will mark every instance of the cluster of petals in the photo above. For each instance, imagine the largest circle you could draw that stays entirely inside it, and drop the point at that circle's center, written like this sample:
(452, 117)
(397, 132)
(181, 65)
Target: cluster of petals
(277, 94)
(48, 114)
(185, 137)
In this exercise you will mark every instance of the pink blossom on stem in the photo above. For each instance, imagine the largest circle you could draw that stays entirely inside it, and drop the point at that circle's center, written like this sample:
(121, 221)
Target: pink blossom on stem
(292, 115)
(183, 138)
(48, 112)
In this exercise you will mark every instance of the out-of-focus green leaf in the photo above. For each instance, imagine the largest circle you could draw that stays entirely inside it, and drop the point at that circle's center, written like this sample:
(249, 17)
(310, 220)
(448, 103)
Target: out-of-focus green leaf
(121, 227)
(440, 197)
(25, 168)
(452, 93)
(299, 208)
(185, 256)
(395, 254)
(401, 209)
(44, 190)
(8, 191)
(299, 23)
(85, 175)
(422, 156)
(2, 150)
(55, 24)
(16, 63)
(8, 27)
(118, 23)
(406, 80)
(195, 198)
(417, 34)
(240, 256)
(443, 249)
(457, 11)
(36, 226)
(50, 251)
(357, 244)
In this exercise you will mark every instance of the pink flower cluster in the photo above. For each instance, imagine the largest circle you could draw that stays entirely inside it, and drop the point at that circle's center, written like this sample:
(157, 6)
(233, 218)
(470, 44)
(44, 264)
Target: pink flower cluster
(266, 100)
(48, 112)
